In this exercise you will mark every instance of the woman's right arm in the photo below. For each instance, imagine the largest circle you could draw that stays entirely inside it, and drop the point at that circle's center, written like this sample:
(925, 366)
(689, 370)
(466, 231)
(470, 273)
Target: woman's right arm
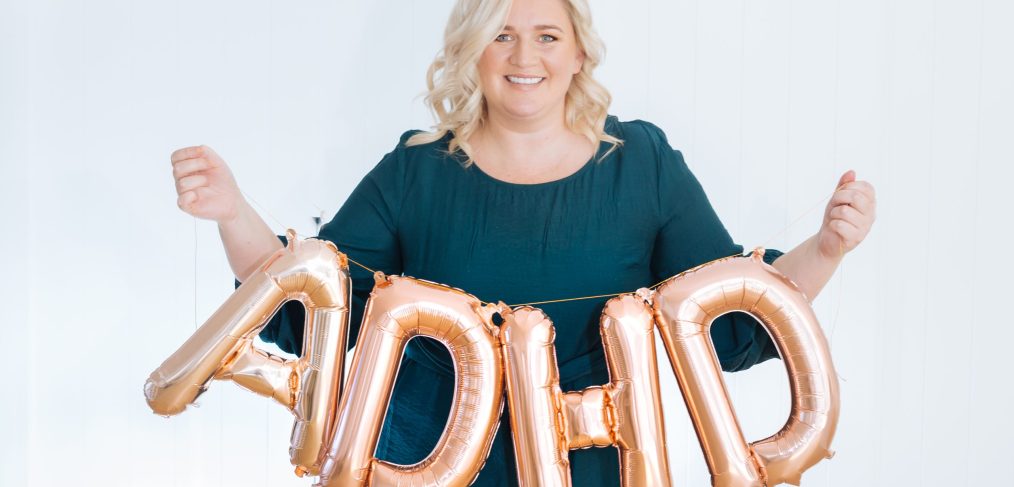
(206, 189)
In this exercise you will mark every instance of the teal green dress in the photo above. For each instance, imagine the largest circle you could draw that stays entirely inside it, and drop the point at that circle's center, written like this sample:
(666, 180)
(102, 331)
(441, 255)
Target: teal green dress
(629, 220)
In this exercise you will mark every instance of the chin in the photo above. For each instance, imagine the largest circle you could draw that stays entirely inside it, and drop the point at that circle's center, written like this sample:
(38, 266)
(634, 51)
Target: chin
(524, 110)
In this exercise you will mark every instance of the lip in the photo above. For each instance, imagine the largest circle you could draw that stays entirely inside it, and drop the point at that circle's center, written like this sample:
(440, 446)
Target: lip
(523, 86)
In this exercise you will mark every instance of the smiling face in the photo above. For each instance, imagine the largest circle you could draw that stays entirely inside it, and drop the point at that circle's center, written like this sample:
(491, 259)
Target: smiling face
(526, 71)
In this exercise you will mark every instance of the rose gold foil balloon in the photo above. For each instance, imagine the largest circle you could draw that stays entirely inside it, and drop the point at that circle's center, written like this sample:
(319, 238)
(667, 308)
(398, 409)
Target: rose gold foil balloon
(311, 271)
(401, 308)
(626, 413)
(685, 307)
(533, 394)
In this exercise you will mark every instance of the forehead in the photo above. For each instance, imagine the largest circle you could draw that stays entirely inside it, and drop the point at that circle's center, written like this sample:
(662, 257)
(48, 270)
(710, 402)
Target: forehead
(528, 14)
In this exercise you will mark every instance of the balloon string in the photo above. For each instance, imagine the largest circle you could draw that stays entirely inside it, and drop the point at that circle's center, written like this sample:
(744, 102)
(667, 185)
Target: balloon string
(837, 309)
(280, 224)
(264, 209)
(816, 205)
(195, 272)
(598, 296)
(371, 271)
(567, 299)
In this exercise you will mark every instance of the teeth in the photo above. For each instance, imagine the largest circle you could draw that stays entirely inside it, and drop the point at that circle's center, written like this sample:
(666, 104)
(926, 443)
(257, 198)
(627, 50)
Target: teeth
(524, 81)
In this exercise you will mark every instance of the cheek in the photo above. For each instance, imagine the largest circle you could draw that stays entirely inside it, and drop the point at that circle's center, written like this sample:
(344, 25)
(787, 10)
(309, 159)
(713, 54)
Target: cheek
(483, 68)
(563, 64)
(562, 68)
(488, 68)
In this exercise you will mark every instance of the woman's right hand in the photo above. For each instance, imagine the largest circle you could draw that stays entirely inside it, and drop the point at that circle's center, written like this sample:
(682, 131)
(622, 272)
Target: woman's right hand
(205, 187)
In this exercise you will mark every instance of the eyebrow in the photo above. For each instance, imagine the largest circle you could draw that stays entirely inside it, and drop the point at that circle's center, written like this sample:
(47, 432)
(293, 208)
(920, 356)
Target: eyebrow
(537, 27)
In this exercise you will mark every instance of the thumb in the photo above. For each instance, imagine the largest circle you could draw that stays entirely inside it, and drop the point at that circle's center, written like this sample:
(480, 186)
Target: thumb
(212, 156)
(848, 177)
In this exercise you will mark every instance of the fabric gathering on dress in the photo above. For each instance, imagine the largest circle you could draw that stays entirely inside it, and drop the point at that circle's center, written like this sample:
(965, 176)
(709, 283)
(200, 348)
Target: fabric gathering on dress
(627, 219)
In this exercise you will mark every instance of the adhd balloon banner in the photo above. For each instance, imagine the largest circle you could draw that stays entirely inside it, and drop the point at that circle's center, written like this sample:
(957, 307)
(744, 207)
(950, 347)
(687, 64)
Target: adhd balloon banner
(336, 428)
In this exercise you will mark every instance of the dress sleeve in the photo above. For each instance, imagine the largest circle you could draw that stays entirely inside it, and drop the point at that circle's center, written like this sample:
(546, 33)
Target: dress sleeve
(690, 235)
(365, 229)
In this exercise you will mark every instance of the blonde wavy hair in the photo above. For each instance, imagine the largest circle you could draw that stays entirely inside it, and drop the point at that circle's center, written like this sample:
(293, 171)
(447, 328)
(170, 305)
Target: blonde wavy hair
(454, 93)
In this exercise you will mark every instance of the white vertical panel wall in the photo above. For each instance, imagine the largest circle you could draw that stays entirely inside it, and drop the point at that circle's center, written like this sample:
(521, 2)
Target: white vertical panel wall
(770, 101)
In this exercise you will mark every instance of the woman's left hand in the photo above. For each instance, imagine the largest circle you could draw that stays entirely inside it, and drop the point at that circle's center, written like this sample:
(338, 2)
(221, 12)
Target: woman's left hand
(848, 217)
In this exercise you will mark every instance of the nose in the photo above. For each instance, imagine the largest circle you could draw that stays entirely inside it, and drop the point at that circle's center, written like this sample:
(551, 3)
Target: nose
(523, 54)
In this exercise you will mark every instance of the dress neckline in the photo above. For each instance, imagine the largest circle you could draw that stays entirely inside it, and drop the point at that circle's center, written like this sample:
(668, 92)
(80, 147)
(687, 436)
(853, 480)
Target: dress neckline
(587, 166)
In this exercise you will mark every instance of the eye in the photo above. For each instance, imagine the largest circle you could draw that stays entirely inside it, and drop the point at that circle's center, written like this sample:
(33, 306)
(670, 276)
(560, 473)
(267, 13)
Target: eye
(503, 38)
(547, 38)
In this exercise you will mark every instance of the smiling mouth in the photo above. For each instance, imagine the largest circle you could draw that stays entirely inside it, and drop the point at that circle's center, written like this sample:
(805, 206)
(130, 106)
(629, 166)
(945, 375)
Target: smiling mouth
(524, 80)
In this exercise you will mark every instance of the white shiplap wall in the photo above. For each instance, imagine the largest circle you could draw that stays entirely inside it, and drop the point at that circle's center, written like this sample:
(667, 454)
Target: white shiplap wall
(770, 101)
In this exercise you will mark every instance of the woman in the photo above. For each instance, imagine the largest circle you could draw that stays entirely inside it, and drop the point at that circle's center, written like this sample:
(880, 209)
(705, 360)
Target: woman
(526, 191)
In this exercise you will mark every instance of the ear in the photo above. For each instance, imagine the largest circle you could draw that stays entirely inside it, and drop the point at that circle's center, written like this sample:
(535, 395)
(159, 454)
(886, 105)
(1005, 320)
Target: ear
(578, 62)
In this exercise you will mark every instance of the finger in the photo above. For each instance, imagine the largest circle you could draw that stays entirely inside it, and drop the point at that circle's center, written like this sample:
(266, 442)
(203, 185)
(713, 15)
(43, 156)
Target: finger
(861, 202)
(190, 166)
(848, 177)
(849, 214)
(190, 182)
(208, 151)
(187, 153)
(863, 187)
(842, 197)
(848, 232)
(186, 200)
(852, 197)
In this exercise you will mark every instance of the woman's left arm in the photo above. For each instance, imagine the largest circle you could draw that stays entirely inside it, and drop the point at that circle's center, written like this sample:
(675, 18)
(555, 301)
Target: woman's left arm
(847, 220)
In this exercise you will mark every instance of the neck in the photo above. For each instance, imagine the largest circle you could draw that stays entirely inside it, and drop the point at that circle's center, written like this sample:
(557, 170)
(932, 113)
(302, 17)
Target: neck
(519, 137)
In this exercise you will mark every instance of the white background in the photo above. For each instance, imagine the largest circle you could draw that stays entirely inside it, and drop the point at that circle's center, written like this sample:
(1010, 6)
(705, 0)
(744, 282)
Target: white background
(769, 100)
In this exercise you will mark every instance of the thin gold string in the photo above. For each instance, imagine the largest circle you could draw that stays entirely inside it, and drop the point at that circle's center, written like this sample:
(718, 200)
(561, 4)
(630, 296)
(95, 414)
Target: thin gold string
(371, 271)
(599, 296)
(268, 213)
(816, 205)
